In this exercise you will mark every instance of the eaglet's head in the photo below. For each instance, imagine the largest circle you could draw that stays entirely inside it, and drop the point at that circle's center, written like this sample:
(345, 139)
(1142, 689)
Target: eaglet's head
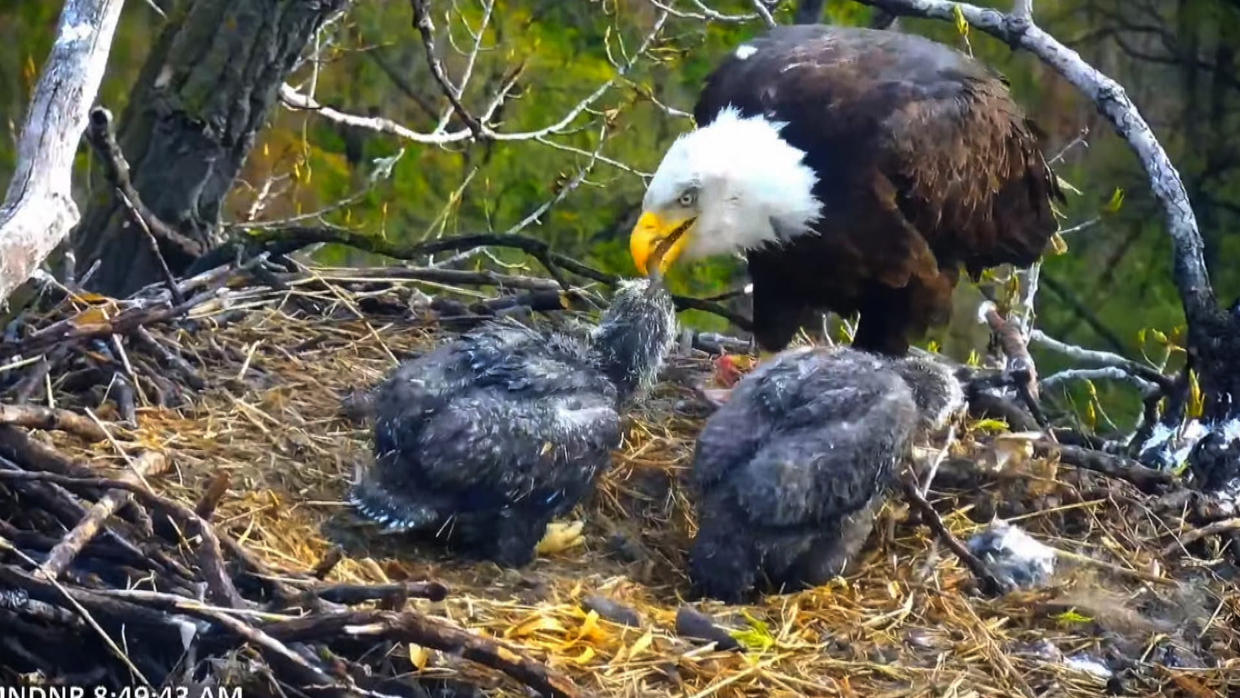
(635, 335)
(736, 184)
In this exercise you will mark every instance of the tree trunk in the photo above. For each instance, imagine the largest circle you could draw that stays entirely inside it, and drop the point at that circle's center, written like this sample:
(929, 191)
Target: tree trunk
(203, 94)
(38, 210)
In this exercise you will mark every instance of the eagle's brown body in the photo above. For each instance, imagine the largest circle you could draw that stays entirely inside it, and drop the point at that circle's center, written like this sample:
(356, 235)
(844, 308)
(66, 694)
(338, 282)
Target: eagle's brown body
(924, 163)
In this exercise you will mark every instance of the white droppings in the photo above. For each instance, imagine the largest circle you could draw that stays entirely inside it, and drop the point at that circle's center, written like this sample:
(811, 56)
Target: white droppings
(745, 51)
(1089, 665)
(983, 309)
(1171, 446)
(1013, 555)
(1231, 430)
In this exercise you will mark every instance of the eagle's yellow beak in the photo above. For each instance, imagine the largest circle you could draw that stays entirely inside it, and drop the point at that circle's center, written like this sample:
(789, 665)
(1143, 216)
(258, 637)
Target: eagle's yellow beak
(649, 231)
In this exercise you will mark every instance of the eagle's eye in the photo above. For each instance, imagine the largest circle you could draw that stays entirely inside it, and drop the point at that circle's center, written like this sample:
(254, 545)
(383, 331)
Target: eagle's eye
(688, 198)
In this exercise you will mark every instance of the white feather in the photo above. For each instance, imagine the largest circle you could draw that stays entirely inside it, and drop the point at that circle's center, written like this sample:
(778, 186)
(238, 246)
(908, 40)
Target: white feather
(754, 188)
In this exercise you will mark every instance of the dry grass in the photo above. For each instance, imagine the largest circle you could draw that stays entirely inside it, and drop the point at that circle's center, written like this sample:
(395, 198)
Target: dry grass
(906, 623)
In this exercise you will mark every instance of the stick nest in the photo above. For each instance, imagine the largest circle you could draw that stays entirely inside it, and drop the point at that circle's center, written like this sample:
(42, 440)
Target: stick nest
(261, 383)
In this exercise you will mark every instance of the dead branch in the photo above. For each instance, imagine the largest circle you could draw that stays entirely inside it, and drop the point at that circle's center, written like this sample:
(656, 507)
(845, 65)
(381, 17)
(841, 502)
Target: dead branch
(410, 627)
(210, 555)
(1146, 479)
(216, 489)
(49, 418)
(102, 138)
(149, 463)
(1096, 357)
(38, 210)
(1176, 548)
(287, 240)
(353, 594)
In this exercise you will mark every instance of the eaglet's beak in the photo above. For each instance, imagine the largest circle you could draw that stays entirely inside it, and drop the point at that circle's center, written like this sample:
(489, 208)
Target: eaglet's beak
(650, 230)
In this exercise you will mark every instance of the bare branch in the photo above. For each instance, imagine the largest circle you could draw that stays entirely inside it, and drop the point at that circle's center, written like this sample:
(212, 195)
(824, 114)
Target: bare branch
(38, 209)
(1105, 373)
(764, 13)
(704, 14)
(422, 21)
(1102, 358)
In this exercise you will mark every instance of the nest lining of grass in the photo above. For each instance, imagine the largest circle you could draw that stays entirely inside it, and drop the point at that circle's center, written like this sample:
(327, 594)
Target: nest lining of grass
(279, 364)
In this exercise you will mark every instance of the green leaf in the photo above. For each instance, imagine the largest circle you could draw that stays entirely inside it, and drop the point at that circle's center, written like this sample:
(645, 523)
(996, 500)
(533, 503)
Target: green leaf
(962, 24)
(1071, 616)
(757, 637)
(1067, 186)
(991, 425)
(1116, 202)
(1058, 244)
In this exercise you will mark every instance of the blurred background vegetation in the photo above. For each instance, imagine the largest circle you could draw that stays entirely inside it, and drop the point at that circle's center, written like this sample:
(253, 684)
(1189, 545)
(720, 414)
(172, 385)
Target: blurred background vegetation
(1111, 290)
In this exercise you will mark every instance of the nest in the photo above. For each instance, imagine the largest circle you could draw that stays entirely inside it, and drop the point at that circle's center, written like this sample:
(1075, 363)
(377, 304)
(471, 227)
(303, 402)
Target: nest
(228, 429)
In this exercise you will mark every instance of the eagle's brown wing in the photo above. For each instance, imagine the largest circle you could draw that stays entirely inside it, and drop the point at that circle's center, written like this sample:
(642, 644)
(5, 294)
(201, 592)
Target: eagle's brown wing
(924, 163)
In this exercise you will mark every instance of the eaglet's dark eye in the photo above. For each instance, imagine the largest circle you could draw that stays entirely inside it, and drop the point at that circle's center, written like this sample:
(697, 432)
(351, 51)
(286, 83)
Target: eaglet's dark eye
(687, 198)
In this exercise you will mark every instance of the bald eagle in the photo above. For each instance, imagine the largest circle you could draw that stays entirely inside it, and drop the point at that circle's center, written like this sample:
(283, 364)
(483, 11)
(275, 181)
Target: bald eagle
(790, 472)
(488, 438)
(858, 170)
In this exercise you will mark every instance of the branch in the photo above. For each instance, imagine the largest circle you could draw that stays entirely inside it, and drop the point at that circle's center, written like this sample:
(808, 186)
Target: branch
(48, 418)
(288, 240)
(1190, 275)
(38, 210)
(102, 138)
(1103, 358)
(990, 583)
(149, 463)
(1104, 373)
(1146, 479)
(1177, 547)
(764, 13)
(422, 22)
(409, 627)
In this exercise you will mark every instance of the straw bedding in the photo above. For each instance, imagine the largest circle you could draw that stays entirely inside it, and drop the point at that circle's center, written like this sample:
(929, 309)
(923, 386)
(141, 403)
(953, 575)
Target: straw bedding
(279, 364)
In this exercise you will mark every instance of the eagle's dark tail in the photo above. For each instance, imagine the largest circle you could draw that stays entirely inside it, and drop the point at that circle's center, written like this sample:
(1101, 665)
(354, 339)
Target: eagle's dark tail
(398, 509)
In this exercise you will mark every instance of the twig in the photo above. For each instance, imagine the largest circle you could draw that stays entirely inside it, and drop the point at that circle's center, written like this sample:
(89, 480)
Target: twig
(410, 627)
(1177, 548)
(1103, 358)
(216, 489)
(116, 170)
(1146, 479)
(149, 463)
(49, 418)
(990, 583)
(426, 28)
(938, 459)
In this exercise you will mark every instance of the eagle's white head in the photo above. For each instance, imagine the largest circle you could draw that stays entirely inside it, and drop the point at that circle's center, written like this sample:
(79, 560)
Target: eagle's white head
(734, 184)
